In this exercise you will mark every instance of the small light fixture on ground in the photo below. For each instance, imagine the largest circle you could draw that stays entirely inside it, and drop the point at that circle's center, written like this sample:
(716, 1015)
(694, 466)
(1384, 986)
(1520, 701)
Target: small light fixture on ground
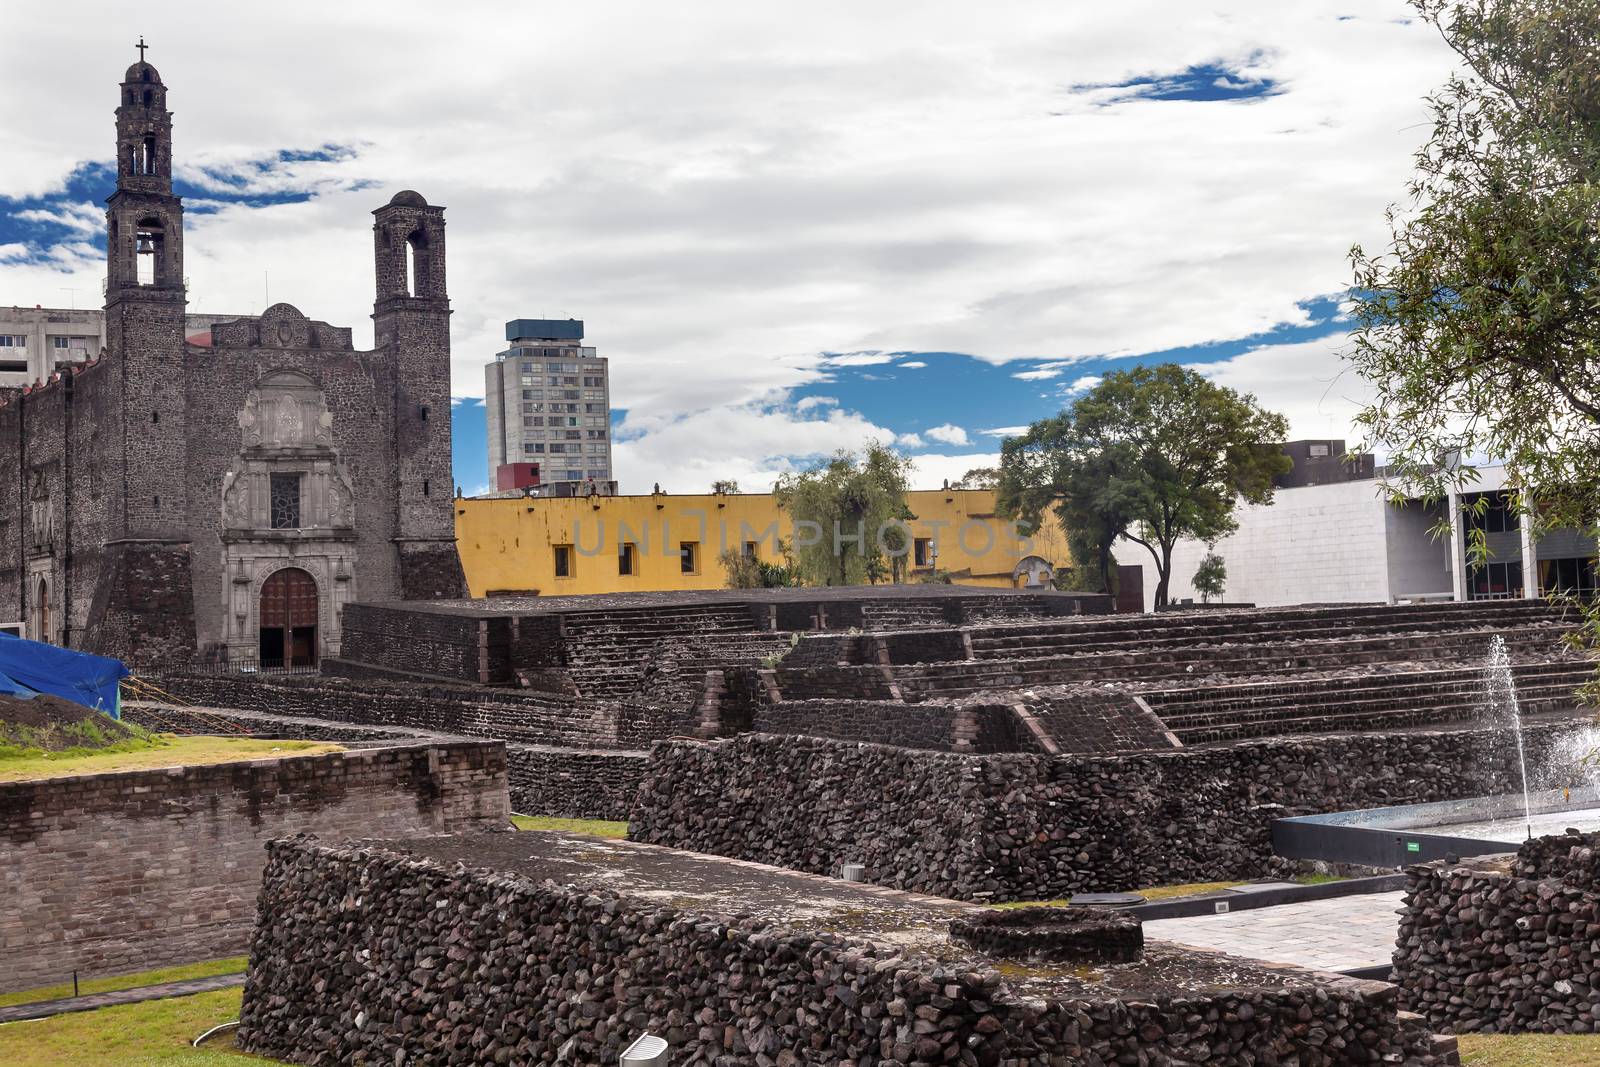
(647, 1051)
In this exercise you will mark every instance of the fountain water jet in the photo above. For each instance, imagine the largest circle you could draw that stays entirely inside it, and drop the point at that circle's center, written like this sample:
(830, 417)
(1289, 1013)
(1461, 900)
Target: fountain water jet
(1503, 714)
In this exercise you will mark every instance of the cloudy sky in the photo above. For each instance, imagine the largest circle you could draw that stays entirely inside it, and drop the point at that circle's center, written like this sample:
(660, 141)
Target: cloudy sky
(792, 227)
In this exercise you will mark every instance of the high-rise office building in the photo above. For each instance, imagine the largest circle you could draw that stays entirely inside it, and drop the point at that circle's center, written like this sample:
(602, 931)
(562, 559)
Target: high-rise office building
(548, 399)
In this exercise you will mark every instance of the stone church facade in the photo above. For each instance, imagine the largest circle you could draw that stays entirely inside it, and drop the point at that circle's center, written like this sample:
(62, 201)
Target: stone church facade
(172, 500)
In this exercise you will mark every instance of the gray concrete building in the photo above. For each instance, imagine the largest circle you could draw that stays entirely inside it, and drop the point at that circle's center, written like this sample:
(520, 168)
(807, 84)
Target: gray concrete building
(223, 496)
(548, 404)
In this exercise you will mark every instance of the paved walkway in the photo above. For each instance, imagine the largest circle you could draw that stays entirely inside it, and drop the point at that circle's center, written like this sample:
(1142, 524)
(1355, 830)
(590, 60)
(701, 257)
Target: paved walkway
(1327, 935)
(43, 1009)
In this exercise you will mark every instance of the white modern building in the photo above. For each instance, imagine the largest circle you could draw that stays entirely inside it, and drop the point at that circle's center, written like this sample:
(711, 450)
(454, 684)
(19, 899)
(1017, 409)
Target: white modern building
(1344, 541)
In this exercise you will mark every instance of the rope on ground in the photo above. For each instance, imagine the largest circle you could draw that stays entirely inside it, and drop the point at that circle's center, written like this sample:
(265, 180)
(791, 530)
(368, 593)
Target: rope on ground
(147, 690)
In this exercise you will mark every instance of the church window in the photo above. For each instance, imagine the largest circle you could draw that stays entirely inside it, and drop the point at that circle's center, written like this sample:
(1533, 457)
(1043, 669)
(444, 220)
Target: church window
(424, 487)
(155, 416)
(285, 500)
(147, 158)
(147, 98)
(563, 561)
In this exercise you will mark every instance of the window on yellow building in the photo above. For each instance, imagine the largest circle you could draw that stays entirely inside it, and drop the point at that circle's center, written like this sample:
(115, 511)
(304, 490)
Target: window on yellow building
(750, 549)
(625, 558)
(689, 556)
(563, 561)
(922, 551)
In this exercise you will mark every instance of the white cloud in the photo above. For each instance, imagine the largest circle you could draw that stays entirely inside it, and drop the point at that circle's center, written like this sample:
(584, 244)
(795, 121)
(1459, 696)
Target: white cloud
(1083, 384)
(1308, 382)
(933, 470)
(858, 359)
(1005, 431)
(752, 443)
(724, 194)
(913, 364)
(82, 218)
(1046, 371)
(948, 435)
(806, 403)
(908, 440)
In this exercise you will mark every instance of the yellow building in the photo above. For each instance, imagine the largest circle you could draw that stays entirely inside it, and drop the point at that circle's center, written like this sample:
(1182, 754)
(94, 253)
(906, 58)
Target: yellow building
(558, 546)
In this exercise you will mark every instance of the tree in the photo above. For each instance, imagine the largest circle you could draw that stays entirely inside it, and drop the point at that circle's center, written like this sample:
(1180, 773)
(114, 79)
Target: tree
(1151, 455)
(724, 486)
(748, 571)
(846, 505)
(1088, 489)
(1479, 328)
(1210, 578)
(978, 478)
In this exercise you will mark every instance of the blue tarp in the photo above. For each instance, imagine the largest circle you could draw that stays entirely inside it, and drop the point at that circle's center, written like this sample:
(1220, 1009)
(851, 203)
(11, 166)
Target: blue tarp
(28, 668)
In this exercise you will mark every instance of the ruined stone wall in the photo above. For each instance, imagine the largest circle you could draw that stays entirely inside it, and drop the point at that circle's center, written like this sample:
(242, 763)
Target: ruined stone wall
(573, 783)
(112, 873)
(1034, 827)
(589, 972)
(424, 642)
(937, 727)
(508, 714)
(1504, 947)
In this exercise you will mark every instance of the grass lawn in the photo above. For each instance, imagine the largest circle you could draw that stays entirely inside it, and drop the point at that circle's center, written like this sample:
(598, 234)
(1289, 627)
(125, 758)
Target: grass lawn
(1160, 892)
(171, 752)
(232, 965)
(597, 827)
(153, 1034)
(1530, 1050)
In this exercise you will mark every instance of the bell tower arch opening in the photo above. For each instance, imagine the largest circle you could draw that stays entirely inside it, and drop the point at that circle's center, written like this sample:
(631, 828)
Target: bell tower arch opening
(289, 612)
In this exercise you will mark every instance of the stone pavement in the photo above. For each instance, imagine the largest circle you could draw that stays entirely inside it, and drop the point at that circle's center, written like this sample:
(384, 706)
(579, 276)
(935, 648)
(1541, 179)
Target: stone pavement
(43, 1009)
(1325, 935)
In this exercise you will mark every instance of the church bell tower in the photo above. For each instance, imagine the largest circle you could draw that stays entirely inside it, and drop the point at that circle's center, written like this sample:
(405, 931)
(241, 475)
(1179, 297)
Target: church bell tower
(144, 221)
(143, 600)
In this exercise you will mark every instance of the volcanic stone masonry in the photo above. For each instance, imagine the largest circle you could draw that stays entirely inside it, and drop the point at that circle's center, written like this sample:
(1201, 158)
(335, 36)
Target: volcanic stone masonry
(368, 955)
(1505, 944)
(95, 863)
(1033, 827)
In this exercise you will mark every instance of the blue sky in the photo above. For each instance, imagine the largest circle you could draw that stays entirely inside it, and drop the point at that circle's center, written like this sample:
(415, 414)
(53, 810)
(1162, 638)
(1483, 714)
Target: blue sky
(789, 231)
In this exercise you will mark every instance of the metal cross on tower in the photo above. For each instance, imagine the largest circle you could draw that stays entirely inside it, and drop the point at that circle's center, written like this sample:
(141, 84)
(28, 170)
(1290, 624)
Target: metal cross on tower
(141, 46)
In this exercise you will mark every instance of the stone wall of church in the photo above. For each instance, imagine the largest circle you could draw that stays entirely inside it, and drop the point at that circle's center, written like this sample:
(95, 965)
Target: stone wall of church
(236, 396)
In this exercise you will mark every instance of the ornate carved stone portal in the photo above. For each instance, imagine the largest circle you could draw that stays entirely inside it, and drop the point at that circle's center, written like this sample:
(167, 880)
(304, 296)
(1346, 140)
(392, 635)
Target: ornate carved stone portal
(287, 503)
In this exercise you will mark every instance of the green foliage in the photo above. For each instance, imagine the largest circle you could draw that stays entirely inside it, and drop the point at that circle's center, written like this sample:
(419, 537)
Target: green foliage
(750, 572)
(978, 478)
(1150, 455)
(844, 504)
(1210, 578)
(723, 486)
(69, 740)
(1479, 328)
